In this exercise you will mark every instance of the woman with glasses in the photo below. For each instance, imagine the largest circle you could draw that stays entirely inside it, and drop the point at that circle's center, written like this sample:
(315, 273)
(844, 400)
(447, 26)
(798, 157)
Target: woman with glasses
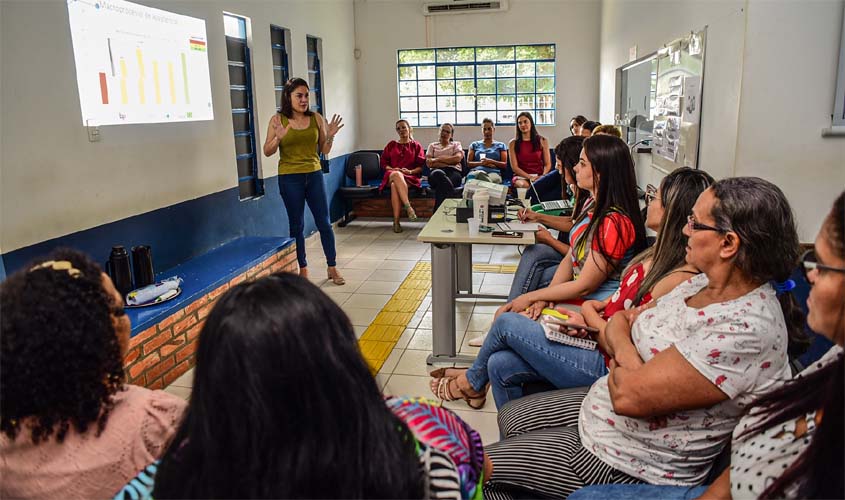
(683, 368)
(789, 442)
(70, 425)
(402, 161)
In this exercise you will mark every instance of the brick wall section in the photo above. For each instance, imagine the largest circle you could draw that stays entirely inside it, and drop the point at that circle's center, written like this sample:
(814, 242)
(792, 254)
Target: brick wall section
(163, 352)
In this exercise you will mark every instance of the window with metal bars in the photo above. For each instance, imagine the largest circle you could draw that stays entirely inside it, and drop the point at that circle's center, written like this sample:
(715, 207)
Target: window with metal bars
(315, 72)
(250, 183)
(464, 85)
(279, 43)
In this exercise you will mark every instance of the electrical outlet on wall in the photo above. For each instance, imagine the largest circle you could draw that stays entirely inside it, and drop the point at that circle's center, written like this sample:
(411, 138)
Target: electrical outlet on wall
(93, 133)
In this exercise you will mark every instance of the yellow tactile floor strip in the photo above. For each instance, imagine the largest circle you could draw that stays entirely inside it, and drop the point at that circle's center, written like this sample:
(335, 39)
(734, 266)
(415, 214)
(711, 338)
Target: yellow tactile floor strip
(379, 338)
(494, 268)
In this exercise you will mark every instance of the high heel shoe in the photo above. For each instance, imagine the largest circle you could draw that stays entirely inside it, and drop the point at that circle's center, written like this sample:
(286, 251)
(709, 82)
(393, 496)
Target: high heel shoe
(412, 215)
(337, 279)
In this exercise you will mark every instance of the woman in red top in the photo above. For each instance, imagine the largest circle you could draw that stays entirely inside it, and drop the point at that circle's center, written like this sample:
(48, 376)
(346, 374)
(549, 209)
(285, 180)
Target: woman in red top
(532, 357)
(529, 152)
(402, 162)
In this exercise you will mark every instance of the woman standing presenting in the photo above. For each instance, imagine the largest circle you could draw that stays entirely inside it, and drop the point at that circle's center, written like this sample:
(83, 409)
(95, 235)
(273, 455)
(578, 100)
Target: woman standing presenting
(298, 133)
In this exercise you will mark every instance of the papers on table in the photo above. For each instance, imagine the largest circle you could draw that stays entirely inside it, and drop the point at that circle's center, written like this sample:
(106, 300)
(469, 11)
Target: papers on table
(519, 226)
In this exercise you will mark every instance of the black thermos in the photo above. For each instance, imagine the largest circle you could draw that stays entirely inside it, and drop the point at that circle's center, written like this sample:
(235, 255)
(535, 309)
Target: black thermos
(142, 265)
(120, 270)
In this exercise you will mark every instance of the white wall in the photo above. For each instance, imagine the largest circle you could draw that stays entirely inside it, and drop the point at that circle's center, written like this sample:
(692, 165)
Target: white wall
(649, 24)
(54, 182)
(384, 26)
(788, 86)
(769, 83)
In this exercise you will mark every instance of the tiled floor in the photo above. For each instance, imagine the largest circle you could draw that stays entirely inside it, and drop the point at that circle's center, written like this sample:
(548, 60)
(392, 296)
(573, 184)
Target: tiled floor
(375, 261)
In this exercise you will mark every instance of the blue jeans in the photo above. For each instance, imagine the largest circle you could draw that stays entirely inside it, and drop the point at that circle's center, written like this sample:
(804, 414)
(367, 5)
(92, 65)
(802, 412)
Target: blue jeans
(638, 492)
(549, 188)
(517, 351)
(296, 190)
(536, 269)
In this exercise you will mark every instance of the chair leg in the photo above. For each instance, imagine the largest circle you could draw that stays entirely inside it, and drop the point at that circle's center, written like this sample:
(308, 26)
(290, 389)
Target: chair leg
(347, 217)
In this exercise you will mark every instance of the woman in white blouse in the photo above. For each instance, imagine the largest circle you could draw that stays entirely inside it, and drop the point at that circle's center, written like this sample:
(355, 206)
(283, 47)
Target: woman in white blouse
(683, 369)
(790, 443)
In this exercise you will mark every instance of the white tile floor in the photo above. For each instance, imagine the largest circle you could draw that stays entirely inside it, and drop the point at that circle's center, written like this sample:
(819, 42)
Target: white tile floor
(375, 261)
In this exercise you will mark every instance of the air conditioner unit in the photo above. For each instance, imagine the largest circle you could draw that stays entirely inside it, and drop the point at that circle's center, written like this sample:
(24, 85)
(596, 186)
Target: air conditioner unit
(464, 7)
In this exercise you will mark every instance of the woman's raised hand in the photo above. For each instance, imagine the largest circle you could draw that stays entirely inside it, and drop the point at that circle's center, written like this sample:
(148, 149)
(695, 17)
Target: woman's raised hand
(334, 126)
(278, 129)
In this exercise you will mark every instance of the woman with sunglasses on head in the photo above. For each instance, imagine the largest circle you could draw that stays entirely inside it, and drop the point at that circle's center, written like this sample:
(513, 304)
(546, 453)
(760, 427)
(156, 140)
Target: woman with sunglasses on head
(790, 442)
(684, 367)
(402, 161)
(298, 134)
(71, 427)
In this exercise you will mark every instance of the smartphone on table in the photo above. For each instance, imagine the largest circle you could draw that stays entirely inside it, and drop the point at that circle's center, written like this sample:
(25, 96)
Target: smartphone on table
(507, 234)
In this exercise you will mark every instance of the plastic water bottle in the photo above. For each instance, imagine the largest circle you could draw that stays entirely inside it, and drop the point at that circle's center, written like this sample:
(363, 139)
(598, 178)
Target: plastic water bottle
(480, 205)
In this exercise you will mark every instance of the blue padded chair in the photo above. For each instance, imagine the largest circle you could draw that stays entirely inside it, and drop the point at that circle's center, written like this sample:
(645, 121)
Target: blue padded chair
(371, 171)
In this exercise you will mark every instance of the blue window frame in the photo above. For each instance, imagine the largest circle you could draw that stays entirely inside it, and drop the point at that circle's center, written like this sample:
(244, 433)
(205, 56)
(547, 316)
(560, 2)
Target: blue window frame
(250, 183)
(279, 43)
(464, 85)
(315, 72)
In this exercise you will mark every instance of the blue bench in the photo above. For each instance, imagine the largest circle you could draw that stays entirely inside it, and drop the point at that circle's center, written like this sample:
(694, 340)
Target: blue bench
(208, 272)
(164, 337)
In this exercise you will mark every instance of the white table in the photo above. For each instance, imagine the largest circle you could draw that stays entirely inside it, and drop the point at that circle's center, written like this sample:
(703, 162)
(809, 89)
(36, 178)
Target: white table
(451, 275)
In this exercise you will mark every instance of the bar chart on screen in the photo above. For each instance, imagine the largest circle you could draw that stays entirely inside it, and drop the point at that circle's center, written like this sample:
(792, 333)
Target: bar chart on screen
(136, 64)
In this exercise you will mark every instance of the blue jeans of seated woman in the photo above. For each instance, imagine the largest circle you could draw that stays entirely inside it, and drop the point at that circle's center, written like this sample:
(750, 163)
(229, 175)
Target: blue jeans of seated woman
(638, 492)
(296, 191)
(517, 351)
(536, 269)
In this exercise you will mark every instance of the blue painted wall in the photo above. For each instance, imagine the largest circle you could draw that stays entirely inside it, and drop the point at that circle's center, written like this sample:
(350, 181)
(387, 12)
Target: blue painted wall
(185, 230)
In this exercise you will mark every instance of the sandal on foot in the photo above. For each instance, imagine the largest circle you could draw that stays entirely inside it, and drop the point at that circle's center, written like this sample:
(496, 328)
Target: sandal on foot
(396, 227)
(412, 215)
(440, 388)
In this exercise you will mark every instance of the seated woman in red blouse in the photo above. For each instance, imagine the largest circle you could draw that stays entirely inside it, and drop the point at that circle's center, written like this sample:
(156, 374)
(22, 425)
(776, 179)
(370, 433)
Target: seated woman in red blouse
(529, 152)
(402, 162)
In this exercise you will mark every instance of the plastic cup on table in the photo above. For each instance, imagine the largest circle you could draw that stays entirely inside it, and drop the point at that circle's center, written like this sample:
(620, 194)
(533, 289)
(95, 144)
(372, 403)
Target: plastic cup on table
(521, 193)
(473, 225)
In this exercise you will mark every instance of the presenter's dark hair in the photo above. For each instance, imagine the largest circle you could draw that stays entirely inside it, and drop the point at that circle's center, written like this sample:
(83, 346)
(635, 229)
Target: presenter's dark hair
(60, 358)
(284, 406)
(285, 106)
(758, 212)
(616, 192)
(535, 136)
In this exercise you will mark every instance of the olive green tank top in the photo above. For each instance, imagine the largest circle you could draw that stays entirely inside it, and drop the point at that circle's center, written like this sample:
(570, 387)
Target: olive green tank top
(298, 149)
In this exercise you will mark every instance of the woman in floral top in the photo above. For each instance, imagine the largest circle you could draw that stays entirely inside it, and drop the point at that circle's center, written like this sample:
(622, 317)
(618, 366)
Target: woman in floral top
(683, 374)
(791, 440)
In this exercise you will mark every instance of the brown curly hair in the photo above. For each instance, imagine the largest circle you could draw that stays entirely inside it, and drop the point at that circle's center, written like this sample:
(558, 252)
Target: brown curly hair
(60, 358)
